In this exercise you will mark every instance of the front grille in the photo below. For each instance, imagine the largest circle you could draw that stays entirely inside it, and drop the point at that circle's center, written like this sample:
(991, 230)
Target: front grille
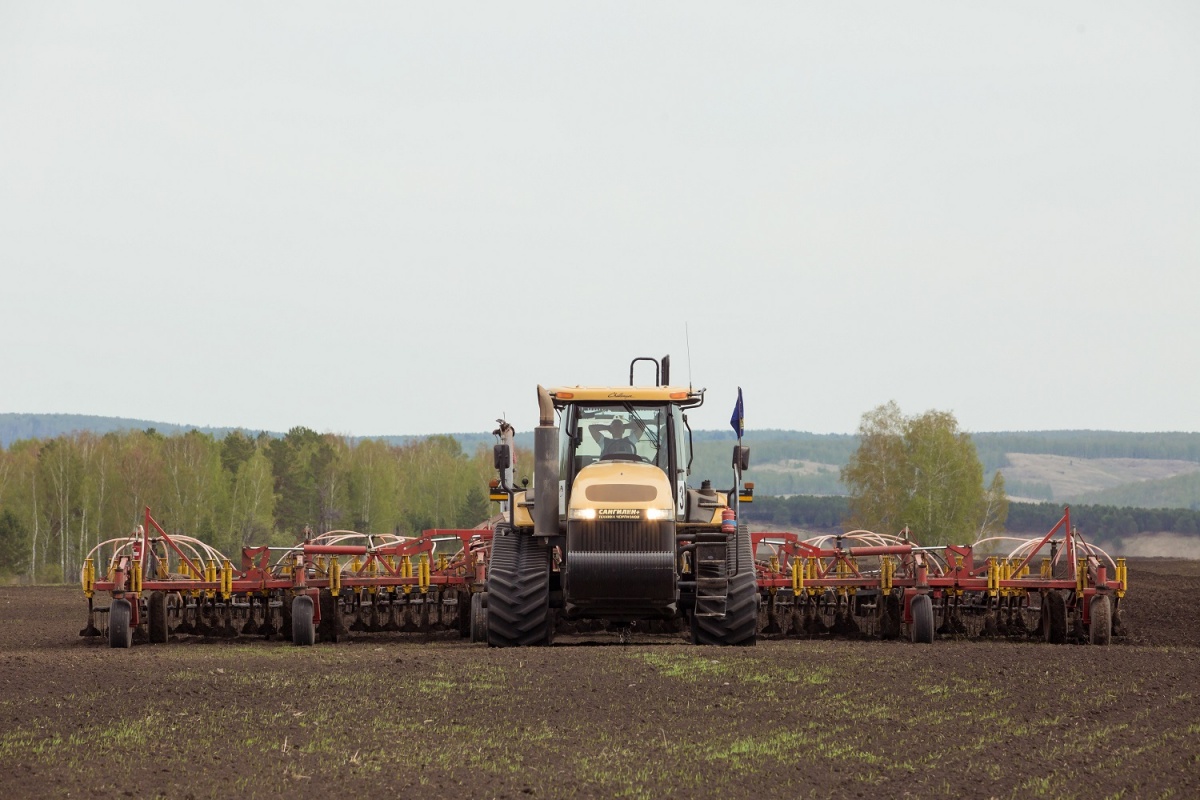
(621, 536)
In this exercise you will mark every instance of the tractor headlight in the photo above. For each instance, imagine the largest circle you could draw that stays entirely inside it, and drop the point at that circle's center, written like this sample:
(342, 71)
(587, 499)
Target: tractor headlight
(583, 513)
(659, 513)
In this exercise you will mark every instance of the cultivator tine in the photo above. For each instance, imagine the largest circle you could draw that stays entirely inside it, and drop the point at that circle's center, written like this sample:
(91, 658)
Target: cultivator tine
(359, 625)
(91, 630)
(392, 625)
(249, 628)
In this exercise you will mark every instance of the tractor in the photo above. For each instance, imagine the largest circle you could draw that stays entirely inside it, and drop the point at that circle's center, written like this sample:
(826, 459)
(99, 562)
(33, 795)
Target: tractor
(612, 529)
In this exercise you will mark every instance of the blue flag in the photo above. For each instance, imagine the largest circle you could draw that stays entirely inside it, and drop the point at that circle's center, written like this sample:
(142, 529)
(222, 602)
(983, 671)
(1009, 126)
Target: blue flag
(738, 420)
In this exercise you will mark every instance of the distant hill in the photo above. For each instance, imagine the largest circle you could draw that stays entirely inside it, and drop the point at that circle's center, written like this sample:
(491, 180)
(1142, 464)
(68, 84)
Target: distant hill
(14, 427)
(1147, 470)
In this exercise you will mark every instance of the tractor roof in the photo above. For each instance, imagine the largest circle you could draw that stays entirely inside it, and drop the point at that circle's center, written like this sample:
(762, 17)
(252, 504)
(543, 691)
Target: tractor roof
(680, 395)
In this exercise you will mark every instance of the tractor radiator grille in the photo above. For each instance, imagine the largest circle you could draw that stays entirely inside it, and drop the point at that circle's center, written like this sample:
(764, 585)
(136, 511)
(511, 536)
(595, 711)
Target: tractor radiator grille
(621, 536)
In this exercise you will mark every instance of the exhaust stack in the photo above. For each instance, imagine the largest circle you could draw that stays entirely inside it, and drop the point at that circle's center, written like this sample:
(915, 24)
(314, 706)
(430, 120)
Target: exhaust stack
(545, 468)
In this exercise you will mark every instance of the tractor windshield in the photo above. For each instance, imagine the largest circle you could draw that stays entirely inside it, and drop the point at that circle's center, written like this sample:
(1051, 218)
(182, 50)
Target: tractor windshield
(625, 432)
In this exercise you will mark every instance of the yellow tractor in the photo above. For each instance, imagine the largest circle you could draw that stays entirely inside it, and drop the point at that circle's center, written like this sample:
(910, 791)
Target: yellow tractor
(611, 529)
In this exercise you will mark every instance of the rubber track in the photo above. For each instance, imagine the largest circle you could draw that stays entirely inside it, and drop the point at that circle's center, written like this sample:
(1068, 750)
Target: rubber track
(739, 626)
(518, 585)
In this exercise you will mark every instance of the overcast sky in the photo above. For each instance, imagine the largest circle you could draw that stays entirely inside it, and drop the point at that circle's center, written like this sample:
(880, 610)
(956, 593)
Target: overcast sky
(399, 218)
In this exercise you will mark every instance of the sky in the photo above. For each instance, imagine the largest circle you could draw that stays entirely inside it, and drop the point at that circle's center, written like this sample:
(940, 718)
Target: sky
(395, 218)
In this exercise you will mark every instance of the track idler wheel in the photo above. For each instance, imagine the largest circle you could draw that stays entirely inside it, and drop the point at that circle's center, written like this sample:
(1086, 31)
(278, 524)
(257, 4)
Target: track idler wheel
(120, 629)
(1054, 617)
(1100, 627)
(921, 607)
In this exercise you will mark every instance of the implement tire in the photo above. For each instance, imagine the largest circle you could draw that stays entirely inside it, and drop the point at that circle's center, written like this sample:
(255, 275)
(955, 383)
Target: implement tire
(478, 618)
(922, 622)
(303, 630)
(518, 592)
(1054, 617)
(120, 631)
(1100, 627)
(157, 603)
(739, 626)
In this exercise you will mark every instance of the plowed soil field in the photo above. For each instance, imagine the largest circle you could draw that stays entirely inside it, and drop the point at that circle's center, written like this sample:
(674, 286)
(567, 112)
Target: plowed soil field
(389, 715)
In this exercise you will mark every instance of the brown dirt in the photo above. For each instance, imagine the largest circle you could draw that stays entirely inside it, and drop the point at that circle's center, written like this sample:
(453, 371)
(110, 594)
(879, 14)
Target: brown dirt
(381, 715)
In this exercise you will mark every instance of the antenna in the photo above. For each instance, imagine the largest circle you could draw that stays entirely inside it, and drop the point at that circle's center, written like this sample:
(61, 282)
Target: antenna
(688, 342)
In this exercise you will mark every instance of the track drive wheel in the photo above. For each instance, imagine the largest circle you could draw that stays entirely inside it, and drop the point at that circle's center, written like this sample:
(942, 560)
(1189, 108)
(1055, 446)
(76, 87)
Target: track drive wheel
(1054, 617)
(304, 631)
(157, 603)
(120, 631)
(739, 626)
(518, 591)
(478, 616)
(922, 619)
(1100, 628)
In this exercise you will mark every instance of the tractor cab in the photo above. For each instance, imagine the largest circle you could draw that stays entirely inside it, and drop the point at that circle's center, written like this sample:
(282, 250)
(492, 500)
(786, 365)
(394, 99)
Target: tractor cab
(623, 437)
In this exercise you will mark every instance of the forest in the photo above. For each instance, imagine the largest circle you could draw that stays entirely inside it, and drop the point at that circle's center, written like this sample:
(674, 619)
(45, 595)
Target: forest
(61, 496)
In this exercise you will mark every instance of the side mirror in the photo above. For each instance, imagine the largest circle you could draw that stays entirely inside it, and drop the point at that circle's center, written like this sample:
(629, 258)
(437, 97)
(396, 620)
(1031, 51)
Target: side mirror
(501, 457)
(741, 457)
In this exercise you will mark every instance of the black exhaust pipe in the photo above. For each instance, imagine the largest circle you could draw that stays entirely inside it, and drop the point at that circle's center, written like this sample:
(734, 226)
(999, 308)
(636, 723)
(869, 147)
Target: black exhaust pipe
(545, 468)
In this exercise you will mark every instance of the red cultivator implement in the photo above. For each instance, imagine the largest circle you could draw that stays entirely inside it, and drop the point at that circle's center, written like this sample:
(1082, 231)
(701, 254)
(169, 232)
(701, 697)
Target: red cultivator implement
(1057, 587)
(162, 584)
(863, 583)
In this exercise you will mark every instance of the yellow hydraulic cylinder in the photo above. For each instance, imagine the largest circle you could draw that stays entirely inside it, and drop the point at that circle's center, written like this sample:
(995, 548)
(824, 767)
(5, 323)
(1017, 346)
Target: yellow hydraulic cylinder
(135, 576)
(1046, 569)
(423, 573)
(406, 572)
(1081, 575)
(89, 578)
(797, 576)
(226, 579)
(887, 569)
(210, 576)
(993, 577)
(1122, 576)
(335, 575)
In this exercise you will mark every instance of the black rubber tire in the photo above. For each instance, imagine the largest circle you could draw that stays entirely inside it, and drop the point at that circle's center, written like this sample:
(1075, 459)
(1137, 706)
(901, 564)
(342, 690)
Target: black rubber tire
(1100, 627)
(120, 631)
(739, 626)
(1054, 617)
(304, 631)
(890, 619)
(478, 618)
(157, 606)
(331, 627)
(922, 619)
(518, 588)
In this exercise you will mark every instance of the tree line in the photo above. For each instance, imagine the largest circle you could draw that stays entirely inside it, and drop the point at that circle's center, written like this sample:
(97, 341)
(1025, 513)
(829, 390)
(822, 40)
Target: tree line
(61, 496)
